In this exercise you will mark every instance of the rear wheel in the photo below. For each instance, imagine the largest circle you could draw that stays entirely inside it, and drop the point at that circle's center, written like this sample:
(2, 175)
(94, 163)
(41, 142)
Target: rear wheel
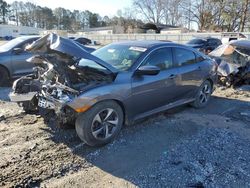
(203, 95)
(101, 124)
(4, 76)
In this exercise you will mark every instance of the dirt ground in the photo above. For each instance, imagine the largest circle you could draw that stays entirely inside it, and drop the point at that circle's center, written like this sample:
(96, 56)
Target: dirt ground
(183, 147)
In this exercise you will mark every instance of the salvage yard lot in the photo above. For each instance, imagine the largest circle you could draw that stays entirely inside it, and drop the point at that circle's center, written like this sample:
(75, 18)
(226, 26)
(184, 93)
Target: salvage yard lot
(181, 147)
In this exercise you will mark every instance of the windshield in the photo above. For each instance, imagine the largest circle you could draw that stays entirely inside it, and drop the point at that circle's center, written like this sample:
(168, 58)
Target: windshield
(196, 41)
(11, 44)
(122, 57)
(91, 64)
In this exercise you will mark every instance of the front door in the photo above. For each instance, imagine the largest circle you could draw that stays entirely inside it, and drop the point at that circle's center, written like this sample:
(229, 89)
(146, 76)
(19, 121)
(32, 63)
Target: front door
(150, 92)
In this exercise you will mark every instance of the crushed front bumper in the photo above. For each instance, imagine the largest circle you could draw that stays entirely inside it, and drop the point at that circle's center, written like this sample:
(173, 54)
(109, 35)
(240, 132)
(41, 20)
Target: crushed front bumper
(14, 97)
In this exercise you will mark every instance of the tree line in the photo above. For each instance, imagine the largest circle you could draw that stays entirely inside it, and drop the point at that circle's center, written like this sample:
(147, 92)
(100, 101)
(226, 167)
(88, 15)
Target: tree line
(32, 15)
(221, 15)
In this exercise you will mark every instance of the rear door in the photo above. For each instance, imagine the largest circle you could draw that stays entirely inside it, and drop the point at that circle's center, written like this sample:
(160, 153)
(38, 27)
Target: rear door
(150, 92)
(190, 68)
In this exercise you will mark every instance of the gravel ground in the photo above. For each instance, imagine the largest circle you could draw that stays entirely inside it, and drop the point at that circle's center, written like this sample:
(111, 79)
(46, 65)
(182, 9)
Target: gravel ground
(195, 162)
(183, 147)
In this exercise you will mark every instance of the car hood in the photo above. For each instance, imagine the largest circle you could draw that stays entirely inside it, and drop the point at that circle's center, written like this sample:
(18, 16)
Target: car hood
(54, 43)
(195, 45)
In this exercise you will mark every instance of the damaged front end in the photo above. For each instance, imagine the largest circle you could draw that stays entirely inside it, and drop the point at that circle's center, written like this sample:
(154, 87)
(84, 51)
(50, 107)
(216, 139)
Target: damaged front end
(59, 78)
(233, 63)
(231, 74)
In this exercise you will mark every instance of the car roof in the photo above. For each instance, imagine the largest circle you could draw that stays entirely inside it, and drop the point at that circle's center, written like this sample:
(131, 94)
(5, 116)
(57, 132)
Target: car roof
(82, 38)
(147, 43)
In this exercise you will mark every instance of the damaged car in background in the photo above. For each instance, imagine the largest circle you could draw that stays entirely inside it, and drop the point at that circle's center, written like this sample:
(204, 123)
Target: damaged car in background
(234, 63)
(115, 85)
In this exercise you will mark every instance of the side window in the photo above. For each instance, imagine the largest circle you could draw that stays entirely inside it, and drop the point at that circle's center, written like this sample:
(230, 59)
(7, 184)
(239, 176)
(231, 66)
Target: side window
(184, 57)
(161, 58)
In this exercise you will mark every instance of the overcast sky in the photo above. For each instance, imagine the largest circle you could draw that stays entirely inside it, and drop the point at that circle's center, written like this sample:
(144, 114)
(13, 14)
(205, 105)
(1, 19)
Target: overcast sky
(102, 7)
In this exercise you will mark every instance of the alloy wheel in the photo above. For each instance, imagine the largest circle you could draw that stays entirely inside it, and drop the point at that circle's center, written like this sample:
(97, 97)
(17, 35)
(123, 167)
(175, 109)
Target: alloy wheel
(104, 124)
(205, 93)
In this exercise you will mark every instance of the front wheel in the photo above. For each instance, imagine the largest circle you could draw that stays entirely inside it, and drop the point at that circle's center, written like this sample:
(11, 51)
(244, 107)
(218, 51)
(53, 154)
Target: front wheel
(203, 95)
(101, 124)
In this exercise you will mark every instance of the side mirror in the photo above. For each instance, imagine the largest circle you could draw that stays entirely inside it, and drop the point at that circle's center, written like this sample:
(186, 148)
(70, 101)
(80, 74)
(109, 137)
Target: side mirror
(148, 70)
(17, 50)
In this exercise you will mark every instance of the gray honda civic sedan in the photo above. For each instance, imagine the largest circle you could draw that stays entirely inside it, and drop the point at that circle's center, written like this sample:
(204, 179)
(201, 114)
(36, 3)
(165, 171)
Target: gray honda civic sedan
(115, 85)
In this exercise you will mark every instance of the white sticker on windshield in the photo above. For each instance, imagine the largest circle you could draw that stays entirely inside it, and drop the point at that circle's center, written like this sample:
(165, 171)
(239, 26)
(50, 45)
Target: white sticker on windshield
(139, 49)
(111, 50)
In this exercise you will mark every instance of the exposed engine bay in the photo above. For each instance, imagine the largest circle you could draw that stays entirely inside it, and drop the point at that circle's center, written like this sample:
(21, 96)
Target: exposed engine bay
(58, 78)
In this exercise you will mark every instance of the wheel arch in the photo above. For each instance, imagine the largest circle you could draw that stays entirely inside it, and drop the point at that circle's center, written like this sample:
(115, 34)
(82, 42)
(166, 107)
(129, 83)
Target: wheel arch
(211, 81)
(5, 68)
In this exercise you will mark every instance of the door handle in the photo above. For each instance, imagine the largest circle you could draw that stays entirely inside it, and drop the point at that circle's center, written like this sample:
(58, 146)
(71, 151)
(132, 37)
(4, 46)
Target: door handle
(172, 76)
(199, 68)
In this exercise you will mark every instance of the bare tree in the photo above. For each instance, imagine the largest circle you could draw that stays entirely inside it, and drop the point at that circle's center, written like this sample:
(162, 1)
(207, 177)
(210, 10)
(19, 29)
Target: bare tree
(152, 10)
(4, 10)
(224, 15)
(172, 12)
(245, 12)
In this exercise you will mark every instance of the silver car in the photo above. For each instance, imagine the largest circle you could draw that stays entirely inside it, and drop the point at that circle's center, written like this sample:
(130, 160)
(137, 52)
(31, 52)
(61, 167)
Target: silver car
(115, 85)
(13, 58)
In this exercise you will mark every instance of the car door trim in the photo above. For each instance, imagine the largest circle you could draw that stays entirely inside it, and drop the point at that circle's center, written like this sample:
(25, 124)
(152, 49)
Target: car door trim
(163, 108)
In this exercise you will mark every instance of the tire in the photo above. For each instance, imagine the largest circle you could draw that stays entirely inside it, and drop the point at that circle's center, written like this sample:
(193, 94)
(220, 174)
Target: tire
(100, 124)
(203, 95)
(4, 77)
